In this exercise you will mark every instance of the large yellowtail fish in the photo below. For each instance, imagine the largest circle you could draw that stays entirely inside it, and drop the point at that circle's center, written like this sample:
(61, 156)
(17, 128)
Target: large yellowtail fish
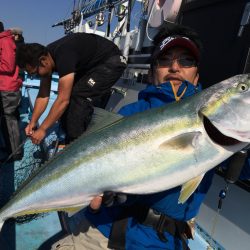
(146, 153)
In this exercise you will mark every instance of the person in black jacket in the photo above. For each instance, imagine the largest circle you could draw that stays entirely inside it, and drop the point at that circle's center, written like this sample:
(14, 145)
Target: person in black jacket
(88, 66)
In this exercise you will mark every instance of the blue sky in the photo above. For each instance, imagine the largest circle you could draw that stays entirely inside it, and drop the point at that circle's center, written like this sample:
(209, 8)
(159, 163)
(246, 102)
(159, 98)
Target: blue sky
(36, 17)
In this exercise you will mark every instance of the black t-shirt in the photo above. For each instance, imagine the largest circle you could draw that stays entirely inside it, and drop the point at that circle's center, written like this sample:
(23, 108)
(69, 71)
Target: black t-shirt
(79, 52)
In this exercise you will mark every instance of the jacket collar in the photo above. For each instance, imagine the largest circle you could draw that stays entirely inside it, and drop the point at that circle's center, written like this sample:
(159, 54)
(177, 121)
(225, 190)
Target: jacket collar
(165, 93)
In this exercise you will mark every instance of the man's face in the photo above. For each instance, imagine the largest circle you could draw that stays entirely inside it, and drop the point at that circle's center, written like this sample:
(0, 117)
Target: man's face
(176, 65)
(44, 68)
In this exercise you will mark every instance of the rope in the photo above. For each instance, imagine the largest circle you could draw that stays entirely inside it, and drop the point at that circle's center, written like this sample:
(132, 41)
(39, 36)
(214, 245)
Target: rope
(177, 98)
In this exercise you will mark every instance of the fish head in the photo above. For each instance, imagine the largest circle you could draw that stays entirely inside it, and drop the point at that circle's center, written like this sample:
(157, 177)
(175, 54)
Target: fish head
(226, 110)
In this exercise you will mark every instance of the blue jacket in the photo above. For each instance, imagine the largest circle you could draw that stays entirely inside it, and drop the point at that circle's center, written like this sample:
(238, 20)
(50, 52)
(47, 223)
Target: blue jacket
(156, 96)
(139, 236)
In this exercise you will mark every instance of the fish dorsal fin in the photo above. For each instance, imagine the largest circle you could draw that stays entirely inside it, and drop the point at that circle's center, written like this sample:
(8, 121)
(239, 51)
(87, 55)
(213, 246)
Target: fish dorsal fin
(101, 118)
(189, 187)
(183, 141)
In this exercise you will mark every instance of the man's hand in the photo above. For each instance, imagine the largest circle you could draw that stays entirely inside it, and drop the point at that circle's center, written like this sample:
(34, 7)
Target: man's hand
(96, 203)
(38, 135)
(108, 199)
(111, 198)
(30, 129)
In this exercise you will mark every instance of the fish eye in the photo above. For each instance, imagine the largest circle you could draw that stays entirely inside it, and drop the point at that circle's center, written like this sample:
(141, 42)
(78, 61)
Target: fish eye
(242, 87)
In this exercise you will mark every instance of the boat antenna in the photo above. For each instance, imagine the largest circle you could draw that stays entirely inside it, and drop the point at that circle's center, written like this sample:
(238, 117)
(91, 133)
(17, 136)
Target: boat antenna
(129, 14)
(110, 16)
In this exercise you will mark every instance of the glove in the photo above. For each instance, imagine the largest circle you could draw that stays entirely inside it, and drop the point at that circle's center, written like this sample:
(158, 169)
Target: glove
(113, 199)
(109, 199)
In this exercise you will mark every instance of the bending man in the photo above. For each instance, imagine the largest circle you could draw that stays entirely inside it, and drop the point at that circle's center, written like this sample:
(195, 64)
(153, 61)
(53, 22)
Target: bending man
(88, 66)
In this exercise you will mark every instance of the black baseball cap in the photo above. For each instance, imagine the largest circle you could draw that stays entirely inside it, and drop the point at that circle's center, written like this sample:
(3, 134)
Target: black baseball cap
(174, 41)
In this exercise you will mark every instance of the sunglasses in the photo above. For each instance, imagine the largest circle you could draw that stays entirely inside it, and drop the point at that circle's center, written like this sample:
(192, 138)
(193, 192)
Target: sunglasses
(185, 62)
(33, 74)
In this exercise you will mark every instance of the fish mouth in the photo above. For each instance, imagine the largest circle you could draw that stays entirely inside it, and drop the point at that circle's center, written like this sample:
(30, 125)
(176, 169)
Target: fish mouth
(216, 136)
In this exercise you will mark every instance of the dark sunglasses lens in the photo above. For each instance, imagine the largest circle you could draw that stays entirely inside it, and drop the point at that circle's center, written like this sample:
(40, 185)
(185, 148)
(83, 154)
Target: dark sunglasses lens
(33, 75)
(183, 62)
(187, 62)
(164, 62)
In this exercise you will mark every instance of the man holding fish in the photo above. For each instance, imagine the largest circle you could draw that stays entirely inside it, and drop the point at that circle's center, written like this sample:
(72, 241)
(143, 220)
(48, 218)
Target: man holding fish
(155, 221)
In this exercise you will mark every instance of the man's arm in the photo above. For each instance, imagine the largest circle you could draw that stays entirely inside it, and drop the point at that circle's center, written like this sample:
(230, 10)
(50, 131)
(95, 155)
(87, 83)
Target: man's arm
(57, 109)
(40, 104)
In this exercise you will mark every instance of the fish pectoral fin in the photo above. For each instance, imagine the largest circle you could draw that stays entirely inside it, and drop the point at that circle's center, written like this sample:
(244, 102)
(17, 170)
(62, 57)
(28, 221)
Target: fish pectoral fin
(1, 225)
(101, 118)
(189, 187)
(183, 141)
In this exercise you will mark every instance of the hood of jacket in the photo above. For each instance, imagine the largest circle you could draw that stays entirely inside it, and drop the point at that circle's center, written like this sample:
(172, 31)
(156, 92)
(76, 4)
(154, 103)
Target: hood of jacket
(163, 93)
(6, 33)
